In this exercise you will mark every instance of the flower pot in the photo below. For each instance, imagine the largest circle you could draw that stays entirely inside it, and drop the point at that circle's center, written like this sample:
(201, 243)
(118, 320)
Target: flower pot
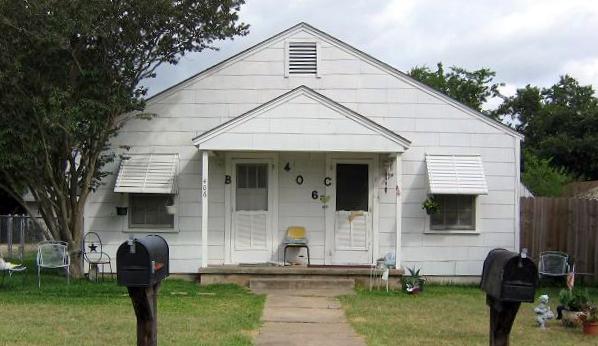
(121, 211)
(170, 209)
(571, 319)
(413, 286)
(431, 211)
(590, 328)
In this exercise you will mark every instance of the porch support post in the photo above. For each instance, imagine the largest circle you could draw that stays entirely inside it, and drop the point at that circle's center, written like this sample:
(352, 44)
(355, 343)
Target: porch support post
(398, 173)
(204, 208)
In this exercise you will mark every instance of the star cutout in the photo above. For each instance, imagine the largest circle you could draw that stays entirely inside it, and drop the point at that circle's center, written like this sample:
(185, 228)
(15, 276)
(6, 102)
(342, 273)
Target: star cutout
(93, 247)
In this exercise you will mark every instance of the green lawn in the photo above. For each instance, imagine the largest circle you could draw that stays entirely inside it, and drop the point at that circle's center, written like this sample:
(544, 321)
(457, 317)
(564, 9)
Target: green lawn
(449, 315)
(85, 313)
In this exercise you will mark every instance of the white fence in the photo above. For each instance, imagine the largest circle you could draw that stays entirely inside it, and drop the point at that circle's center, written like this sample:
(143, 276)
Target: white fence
(16, 231)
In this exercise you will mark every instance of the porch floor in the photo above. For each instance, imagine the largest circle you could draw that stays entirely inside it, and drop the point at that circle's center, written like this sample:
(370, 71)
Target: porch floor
(242, 275)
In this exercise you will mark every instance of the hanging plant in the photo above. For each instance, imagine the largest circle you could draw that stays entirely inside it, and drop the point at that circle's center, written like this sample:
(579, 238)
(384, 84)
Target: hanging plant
(170, 207)
(431, 206)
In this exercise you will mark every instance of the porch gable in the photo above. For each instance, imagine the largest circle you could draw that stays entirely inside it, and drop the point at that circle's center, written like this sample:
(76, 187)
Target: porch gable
(302, 120)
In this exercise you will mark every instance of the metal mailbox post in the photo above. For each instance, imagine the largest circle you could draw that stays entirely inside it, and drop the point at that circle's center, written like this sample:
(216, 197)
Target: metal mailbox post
(141, 265)
(508, 278)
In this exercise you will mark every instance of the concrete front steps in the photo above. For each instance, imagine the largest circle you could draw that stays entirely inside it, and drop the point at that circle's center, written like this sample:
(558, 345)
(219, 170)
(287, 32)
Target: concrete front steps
(321, 283)
(292, 277)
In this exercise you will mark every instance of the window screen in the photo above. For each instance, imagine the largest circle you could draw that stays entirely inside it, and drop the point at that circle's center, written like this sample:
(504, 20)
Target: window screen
(456, 212)
(252, 187)
(352, 187)
(149, 210)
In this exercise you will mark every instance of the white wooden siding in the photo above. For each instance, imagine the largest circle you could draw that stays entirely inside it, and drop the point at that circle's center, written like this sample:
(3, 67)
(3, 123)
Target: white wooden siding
(433, 125)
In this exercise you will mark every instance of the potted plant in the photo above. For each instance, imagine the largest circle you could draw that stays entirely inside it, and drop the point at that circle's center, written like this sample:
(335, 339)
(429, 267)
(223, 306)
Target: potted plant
(590, 320)
(414, 283)
(121, 211)
(431, 206)
(571, 309)
(170, 207)
(121, 208)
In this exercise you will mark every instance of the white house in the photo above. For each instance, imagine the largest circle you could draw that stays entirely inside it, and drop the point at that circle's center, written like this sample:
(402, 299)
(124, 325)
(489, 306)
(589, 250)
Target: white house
(304, 130)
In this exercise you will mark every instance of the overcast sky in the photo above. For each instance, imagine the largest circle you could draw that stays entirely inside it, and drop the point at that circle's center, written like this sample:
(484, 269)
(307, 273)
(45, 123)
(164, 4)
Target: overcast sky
(523, 41)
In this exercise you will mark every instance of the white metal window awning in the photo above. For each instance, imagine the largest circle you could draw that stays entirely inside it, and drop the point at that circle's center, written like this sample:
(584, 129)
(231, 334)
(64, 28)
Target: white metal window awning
(147, 173)
(456, 174)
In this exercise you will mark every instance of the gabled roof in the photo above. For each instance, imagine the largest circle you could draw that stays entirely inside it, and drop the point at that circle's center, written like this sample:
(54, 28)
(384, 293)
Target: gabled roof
(333, 40)
(358, 134)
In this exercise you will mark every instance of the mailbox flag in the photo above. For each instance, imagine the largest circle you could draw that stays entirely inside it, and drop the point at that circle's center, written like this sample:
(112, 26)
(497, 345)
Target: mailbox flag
(571, 280)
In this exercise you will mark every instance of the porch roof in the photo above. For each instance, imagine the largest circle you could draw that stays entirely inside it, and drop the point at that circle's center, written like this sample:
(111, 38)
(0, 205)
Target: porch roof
(302, 120)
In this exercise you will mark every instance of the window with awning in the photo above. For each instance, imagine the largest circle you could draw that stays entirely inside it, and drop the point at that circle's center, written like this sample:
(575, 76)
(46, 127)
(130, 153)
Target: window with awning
(147, 173)
(455, 181)
(456, 174)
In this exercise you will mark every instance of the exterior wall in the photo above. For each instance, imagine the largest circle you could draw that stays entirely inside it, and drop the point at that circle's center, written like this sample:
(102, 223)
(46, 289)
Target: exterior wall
(432, 124)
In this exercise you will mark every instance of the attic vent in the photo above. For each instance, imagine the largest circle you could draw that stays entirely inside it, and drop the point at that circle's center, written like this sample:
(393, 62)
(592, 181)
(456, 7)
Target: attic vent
(303, 58)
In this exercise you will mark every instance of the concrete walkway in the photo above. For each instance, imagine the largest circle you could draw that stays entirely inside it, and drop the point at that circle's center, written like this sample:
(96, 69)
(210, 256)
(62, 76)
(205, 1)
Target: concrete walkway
(306, 318)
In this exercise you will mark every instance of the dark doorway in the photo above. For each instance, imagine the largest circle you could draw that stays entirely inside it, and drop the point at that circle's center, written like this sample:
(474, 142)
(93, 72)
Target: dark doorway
(352, 187)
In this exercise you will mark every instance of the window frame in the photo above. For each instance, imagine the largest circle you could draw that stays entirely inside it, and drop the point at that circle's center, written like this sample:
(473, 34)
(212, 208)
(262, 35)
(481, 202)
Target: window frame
(456, 230)
(152, 228)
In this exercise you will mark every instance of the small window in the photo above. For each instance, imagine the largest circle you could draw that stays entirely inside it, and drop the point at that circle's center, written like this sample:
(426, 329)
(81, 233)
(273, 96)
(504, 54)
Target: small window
(252, 187)
(456, 212)
(302, 58)
(149, 211)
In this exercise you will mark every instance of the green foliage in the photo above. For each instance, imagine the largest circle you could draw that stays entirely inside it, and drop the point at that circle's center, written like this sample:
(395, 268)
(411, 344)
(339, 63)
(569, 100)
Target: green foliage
(591, 314)
(575, 299)
(415, 279)
(472, 88)
(431, 205)
(70, 77)
(542, 177)
(559, 123)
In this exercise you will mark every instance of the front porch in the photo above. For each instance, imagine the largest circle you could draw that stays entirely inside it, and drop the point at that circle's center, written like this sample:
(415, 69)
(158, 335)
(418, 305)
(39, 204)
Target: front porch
(294, 277)
(300, 160)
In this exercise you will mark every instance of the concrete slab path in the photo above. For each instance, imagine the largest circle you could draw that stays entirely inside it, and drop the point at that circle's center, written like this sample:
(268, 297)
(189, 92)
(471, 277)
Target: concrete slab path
(306, 318)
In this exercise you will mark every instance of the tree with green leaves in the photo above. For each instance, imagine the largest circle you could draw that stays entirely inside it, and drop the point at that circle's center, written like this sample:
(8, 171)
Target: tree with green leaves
(472, 88)
(542, 177)
(560, 124)
(70, 77)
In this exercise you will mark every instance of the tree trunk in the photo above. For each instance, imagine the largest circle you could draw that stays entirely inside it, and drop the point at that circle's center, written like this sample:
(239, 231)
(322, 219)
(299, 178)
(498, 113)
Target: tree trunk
(75, 246)
(76, 267)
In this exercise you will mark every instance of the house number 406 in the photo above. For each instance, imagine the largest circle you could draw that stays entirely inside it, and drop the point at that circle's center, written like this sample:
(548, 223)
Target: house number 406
(204, 188)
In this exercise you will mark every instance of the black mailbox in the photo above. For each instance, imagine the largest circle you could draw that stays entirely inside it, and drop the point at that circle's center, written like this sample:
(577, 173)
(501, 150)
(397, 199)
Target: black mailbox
(509, 277)
(142, 262)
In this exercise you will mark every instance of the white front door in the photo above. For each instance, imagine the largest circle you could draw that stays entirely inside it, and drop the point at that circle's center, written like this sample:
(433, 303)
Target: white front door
(252, 204)
(351, 203)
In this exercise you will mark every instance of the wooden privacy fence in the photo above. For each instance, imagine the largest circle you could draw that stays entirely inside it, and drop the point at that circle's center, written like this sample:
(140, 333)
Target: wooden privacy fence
(564, 224)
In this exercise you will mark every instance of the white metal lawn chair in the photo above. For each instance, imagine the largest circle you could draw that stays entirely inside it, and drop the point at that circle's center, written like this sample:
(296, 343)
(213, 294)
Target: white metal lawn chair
(10, 268)
(53, 255)
(553, 264)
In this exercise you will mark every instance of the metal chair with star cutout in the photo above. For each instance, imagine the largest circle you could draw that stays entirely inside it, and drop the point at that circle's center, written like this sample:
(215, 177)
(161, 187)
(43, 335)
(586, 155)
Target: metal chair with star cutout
(94, 255)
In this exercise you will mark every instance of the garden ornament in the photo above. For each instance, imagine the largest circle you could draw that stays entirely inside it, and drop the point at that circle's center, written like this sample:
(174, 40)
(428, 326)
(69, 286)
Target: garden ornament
(543, 312)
